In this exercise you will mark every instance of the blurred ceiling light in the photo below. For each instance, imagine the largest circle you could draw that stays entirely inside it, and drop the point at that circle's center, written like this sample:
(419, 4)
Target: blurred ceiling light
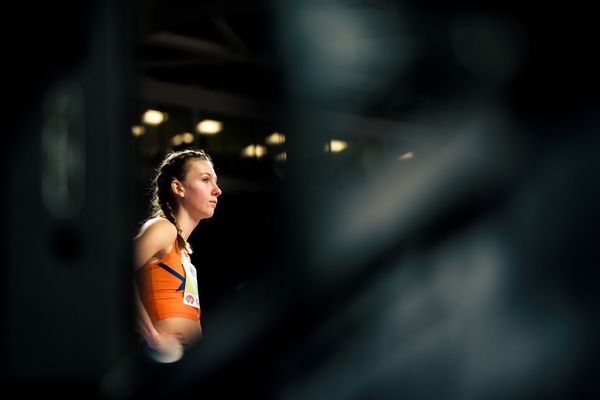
(409, 155)
(153, 117)
(275, 138)
(254, 150)
(138, 130)
(209, 127)
(177, 140)
(336, 146)
(187, 137)
(281, 156)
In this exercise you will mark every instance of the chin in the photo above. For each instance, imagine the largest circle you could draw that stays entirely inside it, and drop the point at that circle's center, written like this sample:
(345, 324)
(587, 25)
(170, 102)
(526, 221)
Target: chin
(205, 215)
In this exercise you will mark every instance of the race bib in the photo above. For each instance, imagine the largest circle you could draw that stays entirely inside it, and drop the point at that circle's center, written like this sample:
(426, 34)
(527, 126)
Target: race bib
(190, 293)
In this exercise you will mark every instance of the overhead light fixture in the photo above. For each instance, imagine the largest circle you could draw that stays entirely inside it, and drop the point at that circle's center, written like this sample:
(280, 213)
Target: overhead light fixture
(154, 117)
(187, 137)
(209, 127)
(336, 146)
(138, 130)
(177, 140)
(254, 150)
(281, 156)
(181, 138)
(275, 139)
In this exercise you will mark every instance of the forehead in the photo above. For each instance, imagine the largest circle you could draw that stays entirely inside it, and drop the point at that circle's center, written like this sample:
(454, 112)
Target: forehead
(200, 166)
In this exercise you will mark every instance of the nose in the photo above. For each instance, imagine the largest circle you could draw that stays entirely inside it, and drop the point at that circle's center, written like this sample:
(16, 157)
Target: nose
(217, 190)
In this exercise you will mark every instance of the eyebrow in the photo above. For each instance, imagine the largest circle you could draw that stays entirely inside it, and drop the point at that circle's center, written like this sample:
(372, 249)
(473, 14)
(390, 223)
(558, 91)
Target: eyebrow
(210, 174)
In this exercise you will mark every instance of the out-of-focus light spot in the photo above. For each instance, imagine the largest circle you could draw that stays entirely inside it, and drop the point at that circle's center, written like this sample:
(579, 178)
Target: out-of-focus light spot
(281, 156)
(336, 146)
(187, 137)
(138, 130)
(275, 138)
(254, 150)
(154, 117)
(209, 127)
(177, 140)
(409, 155)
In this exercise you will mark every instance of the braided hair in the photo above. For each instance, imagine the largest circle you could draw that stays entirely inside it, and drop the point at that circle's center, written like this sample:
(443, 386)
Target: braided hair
(173, 166)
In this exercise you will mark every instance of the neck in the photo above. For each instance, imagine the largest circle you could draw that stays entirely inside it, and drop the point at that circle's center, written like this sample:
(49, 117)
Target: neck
(186, 223)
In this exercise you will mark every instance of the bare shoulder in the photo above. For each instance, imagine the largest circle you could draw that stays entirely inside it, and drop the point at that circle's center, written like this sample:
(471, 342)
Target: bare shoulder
(155, 238)
(158, 226)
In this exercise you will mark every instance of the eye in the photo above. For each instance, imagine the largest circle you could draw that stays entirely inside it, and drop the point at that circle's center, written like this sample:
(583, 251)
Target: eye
(205, 179)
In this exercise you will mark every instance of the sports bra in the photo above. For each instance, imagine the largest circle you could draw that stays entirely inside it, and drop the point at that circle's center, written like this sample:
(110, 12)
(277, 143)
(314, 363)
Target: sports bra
(161, 285)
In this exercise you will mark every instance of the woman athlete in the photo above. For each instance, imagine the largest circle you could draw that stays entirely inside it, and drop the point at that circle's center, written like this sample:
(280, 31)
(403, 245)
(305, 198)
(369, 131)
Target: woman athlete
(185, 191)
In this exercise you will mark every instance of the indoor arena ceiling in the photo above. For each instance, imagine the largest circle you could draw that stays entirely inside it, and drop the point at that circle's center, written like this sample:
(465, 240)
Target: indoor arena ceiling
(385, 59)
(331, 53)
(190, 51)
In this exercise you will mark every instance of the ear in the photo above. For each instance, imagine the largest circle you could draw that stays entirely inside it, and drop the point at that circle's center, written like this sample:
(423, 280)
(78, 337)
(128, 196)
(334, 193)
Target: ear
(177, 188)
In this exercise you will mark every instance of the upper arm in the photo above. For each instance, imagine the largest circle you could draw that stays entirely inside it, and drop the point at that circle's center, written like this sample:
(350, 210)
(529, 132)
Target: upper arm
(155, 237)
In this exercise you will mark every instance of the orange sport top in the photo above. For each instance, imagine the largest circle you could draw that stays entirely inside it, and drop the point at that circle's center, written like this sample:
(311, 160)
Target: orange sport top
(161, 285)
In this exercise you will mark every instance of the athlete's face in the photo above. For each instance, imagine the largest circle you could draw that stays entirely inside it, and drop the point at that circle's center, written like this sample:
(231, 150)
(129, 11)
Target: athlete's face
(200, 188)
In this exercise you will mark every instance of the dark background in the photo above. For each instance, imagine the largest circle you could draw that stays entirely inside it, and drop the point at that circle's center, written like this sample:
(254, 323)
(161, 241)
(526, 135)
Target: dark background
(467, 271)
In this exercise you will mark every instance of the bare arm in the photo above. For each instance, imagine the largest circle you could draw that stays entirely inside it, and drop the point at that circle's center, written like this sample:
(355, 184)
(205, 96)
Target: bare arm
(155, 238)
